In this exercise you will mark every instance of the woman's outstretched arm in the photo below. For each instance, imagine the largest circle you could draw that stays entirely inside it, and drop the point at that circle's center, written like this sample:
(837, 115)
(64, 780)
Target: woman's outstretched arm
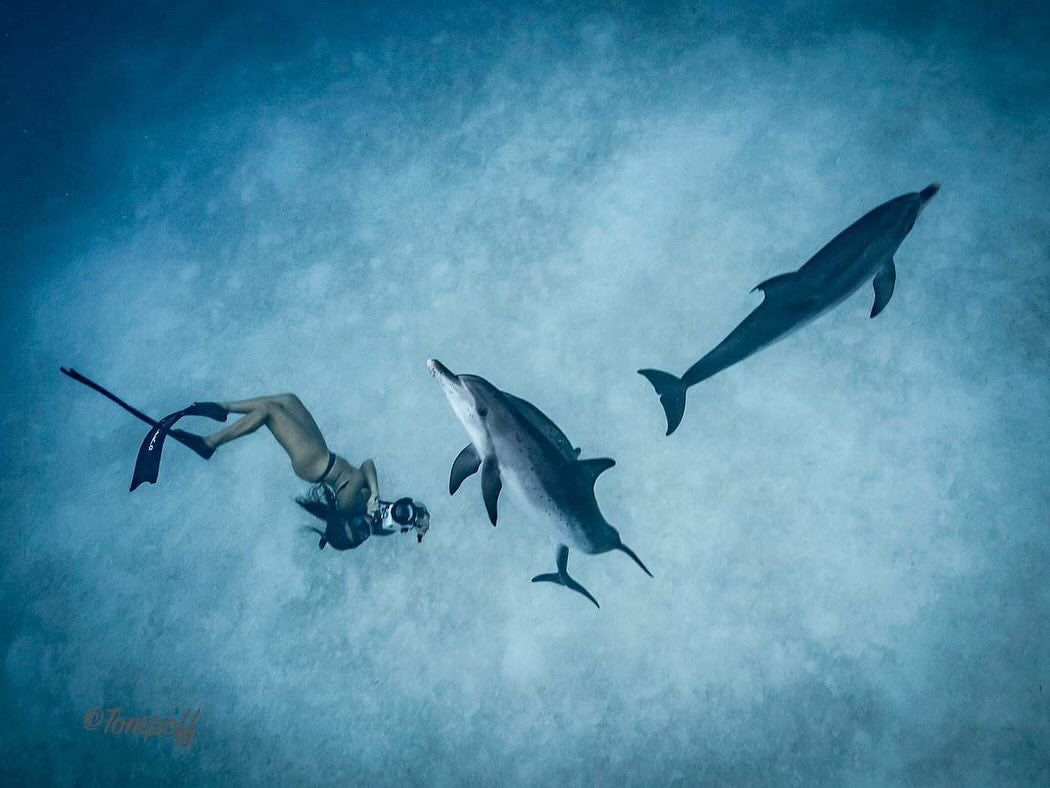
(368, 468)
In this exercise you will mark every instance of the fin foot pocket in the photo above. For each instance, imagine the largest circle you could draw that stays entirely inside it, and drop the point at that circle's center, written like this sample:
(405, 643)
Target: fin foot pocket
(194, 442)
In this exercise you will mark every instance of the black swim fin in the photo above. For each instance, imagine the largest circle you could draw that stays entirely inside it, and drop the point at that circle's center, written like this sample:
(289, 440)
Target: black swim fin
(193, 442)
(210, 410)
(147, 463)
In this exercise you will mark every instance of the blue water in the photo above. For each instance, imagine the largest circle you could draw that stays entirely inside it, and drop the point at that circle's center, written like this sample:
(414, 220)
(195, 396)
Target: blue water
(849, 531)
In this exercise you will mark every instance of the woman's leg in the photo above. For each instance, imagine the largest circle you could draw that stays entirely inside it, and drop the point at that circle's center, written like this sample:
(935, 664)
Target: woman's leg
(303, 442)
(290, 402)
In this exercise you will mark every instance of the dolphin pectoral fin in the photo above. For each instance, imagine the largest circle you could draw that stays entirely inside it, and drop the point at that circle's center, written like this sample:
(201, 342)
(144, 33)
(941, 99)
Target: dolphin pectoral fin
(490, 487)
(562, 576)
(625, 549)
(672, 395)
(594, 468)
(883, 284)
(465, 464)
(773, 284)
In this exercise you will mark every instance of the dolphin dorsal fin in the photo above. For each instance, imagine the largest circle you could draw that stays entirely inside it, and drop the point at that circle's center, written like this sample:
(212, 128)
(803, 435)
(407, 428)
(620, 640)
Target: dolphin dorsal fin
(773, 284)
(592, 469)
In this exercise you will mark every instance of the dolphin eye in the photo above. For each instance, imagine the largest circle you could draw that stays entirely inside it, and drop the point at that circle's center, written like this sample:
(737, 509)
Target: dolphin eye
(483, 411)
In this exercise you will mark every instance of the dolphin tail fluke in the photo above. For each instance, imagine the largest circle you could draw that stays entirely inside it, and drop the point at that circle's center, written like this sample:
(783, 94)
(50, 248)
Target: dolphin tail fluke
(561, 577)
(672, 395)
(548, 578)
(568, 582)
(625, 549)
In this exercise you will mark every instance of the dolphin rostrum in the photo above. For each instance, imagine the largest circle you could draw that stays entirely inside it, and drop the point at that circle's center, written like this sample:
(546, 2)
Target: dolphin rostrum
(520, 449)
(863, 251)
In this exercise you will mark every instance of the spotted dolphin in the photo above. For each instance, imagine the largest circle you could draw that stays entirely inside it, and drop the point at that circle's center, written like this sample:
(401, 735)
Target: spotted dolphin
(518, 448)
(862, 252)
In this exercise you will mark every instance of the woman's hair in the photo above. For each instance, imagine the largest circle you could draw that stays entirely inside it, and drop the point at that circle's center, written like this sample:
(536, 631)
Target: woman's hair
(320, 502)
(343, 530)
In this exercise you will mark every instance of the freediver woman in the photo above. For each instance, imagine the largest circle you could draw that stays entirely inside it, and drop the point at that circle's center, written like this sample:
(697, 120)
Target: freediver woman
(344, 496)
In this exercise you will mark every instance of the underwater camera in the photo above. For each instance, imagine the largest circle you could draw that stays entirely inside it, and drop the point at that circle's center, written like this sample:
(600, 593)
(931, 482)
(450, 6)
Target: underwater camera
(402, 515)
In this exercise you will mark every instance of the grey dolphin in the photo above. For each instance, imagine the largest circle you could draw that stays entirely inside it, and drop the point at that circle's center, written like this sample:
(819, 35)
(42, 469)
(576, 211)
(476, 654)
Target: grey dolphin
(863, 251)
(520, 449)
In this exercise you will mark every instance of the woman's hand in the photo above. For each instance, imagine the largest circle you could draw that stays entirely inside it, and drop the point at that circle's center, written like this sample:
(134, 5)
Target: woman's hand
(373, 504)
